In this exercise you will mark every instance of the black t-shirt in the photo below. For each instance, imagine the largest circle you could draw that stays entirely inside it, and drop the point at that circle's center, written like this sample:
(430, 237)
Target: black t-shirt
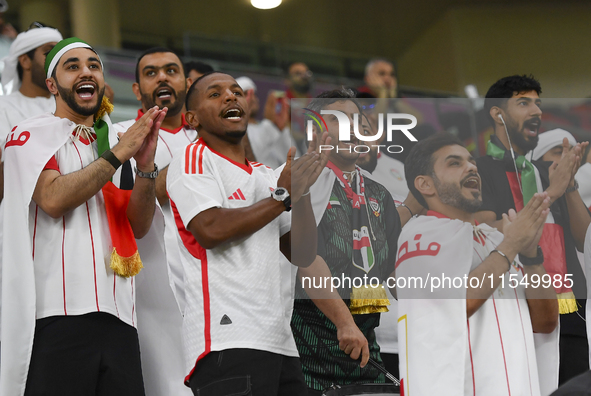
(323, 362)
(497, 197)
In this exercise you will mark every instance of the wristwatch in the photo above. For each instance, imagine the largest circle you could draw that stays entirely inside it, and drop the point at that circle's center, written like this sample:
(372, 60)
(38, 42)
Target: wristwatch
(281, 194)
(147, 175)
(539, 259)
(573, 188)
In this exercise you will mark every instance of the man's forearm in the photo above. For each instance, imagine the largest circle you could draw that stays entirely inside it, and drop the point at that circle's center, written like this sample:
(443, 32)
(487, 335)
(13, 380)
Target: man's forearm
(215, 226)
(304, 236)
(327, 300)
(496, 265)
(59, 194)
(142, 204)
(542, 301)
(161, 193)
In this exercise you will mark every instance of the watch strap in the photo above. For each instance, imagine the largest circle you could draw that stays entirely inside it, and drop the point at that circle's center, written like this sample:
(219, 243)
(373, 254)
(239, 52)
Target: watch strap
(147, 175)
(539, 259)
(111, 159)
(573, 188)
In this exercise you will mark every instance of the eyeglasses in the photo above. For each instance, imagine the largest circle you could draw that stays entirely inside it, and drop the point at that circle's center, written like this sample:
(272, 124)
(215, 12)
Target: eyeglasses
(37, 25)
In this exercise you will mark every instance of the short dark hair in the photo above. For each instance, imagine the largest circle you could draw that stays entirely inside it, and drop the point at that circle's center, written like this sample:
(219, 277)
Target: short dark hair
(154, 50)
(19, 68)
(506, 87)
(199, 67)
(193, 89)
(329, 97)
(420, 160)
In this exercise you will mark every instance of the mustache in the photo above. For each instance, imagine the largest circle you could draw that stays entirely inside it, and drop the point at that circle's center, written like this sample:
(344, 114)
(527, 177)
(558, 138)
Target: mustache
(533, 123)
(163, 85)
(471, 174)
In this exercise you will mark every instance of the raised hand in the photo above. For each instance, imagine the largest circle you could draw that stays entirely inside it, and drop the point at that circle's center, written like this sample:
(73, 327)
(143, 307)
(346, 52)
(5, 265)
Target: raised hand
(131, 141)
(562, 173)
(145, 155)
(304, 171)
(524, 229)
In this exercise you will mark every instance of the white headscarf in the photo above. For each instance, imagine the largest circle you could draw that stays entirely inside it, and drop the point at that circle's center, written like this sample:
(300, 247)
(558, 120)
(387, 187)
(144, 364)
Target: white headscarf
(550, 139)
(24, 42)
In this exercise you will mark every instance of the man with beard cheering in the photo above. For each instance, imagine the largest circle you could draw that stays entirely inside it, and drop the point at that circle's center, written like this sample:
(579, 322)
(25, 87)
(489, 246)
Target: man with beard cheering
(509, 180)
(473, 337)
(161, 81)
(233, 220)
(69, 250)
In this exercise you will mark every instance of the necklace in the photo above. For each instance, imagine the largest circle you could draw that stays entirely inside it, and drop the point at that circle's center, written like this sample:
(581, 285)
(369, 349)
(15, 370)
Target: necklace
(349, 175)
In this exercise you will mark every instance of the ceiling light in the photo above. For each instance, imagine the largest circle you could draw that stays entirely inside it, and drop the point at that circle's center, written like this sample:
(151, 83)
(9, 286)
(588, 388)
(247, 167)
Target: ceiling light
(265, 4)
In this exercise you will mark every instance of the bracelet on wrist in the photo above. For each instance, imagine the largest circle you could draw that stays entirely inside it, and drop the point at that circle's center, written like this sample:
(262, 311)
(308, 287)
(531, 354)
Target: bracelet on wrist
(504, 255)
(409, 211)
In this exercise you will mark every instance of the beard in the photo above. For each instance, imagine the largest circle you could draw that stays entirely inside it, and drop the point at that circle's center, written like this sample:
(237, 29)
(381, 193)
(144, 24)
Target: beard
(368, 162)
(519, 140)
(236, 134)
(174, 107)
(69, 96)
(451, 195)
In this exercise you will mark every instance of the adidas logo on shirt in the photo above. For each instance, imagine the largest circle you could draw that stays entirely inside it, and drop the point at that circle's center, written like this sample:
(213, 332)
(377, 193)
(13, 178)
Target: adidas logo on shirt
(238, 196)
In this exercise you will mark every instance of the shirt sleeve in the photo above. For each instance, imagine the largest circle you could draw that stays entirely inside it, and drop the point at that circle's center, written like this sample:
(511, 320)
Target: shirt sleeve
(52, 165)
(193, 191)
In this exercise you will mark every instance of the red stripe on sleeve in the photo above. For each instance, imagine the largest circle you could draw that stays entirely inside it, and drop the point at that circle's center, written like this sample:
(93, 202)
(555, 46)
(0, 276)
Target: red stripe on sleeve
(194, 160)
(201, 160)
(188, 157)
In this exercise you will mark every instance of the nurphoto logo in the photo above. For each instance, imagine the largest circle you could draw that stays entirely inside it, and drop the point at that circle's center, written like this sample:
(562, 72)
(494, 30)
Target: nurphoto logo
(390, 125)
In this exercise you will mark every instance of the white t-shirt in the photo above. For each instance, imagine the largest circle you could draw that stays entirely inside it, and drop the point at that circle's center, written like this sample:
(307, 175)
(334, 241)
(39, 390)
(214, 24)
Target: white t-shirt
(71, 254)
(234, 297)
(390, 173)
(17, 107)
(442, 351)
(170, 142)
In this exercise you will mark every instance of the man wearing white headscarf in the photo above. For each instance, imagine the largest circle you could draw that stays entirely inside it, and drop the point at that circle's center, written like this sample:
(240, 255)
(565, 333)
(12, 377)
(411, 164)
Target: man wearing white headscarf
(550, 148)
(24, 78)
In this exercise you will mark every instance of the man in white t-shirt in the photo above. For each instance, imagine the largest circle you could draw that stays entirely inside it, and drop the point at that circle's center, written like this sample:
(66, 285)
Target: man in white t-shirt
(161, 81)
(69, 255)
(233, 225)
(468, 330)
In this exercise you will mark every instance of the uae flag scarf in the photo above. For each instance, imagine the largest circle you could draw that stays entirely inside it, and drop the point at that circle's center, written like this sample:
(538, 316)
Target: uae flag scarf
(552, 241)
(365, 299)
(125, 260)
